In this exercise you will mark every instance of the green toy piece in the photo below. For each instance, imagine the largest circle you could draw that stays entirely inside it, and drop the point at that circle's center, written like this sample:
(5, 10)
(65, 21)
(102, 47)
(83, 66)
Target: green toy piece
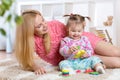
(94, 73)
(78, 47)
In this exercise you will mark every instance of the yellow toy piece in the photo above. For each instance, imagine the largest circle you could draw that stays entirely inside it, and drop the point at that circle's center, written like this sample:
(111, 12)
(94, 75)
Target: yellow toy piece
(79, 54)
(65, 70)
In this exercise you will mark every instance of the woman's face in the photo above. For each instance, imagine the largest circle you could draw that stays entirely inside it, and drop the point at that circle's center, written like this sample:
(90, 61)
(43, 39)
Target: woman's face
(40, 26)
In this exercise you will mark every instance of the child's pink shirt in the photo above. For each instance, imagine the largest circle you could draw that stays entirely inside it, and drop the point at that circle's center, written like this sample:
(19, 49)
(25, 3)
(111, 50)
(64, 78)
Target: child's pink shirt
(57, 32)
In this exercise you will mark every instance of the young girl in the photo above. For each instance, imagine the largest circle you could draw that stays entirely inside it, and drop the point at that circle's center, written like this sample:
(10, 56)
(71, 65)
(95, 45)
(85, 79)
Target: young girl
(69, 49)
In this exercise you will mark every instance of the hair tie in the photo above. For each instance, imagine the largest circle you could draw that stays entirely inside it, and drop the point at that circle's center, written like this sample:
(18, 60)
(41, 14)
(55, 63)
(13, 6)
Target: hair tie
(71, 14)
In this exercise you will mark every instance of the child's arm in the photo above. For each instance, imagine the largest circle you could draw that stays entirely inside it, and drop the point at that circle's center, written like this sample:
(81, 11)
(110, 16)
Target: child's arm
(64, 49)
(88, 47)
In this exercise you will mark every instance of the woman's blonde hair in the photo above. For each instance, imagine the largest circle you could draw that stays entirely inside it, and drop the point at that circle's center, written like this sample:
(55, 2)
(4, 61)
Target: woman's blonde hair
(24, 45)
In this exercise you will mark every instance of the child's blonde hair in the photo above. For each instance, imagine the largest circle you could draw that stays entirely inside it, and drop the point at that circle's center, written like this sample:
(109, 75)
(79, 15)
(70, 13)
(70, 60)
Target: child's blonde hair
(25, 45)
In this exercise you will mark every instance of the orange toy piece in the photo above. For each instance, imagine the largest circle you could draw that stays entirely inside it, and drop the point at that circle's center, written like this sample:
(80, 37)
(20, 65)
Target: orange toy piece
(88, 70)
(78, 71)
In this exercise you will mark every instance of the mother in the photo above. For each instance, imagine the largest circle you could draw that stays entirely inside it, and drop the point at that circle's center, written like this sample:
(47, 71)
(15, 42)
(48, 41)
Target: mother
(37, 35)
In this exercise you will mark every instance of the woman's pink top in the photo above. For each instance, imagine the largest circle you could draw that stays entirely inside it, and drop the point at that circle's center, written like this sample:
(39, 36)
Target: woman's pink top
(57, 32)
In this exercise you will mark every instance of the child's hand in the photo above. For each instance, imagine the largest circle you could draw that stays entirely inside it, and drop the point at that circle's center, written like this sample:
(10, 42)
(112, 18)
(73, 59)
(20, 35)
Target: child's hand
(85, 55)
(72, 49)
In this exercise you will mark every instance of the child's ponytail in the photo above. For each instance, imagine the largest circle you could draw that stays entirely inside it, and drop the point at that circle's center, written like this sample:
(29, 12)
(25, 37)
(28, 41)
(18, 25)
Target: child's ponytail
(88, 18)
(77, 17)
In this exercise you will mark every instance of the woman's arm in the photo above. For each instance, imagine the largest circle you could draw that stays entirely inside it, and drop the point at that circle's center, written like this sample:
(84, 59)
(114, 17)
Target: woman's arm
(88, 48)
(38, 69)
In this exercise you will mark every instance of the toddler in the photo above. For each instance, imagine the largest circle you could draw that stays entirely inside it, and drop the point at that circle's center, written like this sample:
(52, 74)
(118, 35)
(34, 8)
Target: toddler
(75, 42)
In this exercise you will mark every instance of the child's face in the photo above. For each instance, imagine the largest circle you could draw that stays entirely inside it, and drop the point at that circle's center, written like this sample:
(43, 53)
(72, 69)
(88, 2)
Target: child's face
(75, 32)
(40, 26)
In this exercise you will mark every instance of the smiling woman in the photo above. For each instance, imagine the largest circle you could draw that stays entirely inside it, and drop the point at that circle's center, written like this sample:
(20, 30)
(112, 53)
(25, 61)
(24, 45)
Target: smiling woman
(37, 35)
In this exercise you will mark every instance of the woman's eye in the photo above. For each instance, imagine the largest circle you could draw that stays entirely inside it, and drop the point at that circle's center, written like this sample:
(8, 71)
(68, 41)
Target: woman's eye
(39, 26)
(73, 31)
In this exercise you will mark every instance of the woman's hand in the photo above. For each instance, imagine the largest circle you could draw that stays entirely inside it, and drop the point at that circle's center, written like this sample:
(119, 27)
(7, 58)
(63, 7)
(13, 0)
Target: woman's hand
(39, 70)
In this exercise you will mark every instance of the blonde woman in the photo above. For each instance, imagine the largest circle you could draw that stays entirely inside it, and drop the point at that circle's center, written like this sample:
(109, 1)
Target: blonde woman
(37, 35)
(34, 35)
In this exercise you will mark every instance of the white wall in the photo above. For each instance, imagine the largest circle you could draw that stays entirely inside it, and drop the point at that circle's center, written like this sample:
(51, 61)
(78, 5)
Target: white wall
(82, 9)
(102, 11)
(117, 21)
